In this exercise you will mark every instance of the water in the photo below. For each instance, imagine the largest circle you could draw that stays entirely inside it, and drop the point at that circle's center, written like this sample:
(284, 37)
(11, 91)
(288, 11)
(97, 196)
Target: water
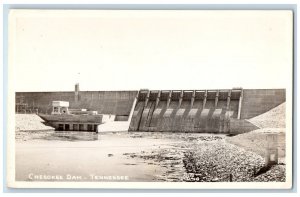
(116, 156)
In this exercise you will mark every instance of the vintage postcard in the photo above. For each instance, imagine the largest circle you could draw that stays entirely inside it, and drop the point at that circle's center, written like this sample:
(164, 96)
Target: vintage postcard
(157, 99)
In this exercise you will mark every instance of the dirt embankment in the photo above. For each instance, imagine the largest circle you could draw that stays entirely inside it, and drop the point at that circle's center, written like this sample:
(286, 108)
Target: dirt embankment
(30, 122)
(275, 118)
(271, 122)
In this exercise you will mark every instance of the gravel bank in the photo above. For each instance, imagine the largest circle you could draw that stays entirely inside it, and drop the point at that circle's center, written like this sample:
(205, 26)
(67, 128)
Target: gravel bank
(271, 122)
(214, 162)
(30, 122)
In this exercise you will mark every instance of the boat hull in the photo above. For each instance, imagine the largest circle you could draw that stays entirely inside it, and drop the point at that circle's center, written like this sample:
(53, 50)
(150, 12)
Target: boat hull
(71, 122)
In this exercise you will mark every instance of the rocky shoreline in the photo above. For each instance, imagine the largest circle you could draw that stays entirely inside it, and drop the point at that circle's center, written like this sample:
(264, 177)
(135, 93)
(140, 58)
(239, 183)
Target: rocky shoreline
(224, 162)
(210, 159)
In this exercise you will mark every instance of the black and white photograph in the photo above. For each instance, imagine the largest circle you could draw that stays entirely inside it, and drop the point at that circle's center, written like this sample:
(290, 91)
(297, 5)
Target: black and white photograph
(150, 99)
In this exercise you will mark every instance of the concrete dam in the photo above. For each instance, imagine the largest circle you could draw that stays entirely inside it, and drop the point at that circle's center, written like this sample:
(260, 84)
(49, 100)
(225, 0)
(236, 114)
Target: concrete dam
(211, 111)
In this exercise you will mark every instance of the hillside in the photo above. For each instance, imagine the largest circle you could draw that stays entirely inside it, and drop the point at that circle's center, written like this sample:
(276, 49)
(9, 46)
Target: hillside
(275, 118)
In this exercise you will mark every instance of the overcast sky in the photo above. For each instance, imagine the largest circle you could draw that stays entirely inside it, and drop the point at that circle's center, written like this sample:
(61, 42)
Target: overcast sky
(130, 50)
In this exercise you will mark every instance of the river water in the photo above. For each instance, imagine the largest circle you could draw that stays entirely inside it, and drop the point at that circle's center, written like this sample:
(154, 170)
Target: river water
(114, 156)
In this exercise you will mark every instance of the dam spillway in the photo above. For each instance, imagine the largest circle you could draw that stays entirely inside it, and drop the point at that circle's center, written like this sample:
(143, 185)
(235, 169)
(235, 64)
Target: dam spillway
(186, 110)
(208, 111)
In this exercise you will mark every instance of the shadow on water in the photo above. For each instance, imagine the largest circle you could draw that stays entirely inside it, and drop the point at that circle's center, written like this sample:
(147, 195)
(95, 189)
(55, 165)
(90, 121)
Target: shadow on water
(72, 136)
(57, 136)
